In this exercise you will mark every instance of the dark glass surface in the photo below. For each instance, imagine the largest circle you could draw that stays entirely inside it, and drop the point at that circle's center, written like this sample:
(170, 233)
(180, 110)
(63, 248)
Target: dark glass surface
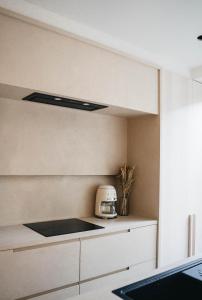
(174, 287)
(195, 272)
(178, 283)
(65, 102)
(59, 227)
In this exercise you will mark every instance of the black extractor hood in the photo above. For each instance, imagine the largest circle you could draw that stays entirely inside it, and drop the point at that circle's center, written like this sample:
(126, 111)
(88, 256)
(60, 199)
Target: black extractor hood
(65, 102)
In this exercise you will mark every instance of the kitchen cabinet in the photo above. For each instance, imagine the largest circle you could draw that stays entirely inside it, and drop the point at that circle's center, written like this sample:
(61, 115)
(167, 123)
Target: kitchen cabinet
(7, 291)
(61, 294)
(176, 98)
(134, 272)
(196, 165)
(180, 167)
(34, 270)
(102, 255)
(75, 68)
(58, 269)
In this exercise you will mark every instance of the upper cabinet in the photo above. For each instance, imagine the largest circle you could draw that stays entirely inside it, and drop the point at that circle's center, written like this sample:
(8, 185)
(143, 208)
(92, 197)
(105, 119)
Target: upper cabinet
(40, 59)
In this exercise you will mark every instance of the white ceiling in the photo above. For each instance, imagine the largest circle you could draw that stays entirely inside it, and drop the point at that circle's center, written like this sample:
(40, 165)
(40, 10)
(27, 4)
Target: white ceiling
(162, 32)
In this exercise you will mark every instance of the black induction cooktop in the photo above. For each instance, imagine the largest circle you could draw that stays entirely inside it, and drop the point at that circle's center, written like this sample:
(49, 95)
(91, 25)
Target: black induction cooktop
(59, 227)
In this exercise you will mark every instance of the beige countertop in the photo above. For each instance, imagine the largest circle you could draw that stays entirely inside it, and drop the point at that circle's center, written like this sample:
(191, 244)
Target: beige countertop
(19, 236)
(105, 293)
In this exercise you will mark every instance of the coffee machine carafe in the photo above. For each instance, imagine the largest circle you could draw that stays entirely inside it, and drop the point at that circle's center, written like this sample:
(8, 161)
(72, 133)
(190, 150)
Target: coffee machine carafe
(106, 198)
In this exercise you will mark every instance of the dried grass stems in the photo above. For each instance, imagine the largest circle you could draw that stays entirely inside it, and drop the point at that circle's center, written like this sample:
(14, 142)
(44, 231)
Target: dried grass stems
(126, 178)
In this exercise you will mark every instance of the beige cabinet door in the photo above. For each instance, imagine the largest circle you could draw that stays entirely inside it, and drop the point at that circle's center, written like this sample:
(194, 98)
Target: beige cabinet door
(136, 272)
(102, 255)
(6, 282)
(195, 186)
(26, 272)
(62, 294)
(180, 165)
(86, 72)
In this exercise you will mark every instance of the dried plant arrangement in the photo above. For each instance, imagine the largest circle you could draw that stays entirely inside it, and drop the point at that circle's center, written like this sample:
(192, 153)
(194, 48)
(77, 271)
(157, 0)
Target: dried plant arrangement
(126, 178)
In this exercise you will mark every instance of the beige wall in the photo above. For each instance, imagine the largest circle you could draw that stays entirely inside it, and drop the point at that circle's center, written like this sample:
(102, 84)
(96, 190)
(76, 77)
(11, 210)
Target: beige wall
(38, 198)
(144, 152)
(38, 139)
(39, 59)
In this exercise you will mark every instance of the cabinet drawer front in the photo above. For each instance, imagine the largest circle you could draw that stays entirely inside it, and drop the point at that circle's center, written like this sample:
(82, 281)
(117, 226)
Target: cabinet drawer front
(62, 294)
(110, 253)
(114, 280)
(36, 270)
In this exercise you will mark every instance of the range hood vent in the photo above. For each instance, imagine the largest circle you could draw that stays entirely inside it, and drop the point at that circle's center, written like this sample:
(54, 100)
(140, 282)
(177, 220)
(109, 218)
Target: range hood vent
(65, 102)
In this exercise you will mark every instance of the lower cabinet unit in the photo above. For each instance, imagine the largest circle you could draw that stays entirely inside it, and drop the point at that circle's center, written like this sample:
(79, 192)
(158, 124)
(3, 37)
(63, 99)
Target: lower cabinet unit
(113, 252)
(62, 294)
(55, 271)
(135, 272)
(29, 271)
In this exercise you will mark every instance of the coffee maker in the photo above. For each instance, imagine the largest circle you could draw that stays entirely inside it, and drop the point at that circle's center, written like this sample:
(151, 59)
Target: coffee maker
(106, 198)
